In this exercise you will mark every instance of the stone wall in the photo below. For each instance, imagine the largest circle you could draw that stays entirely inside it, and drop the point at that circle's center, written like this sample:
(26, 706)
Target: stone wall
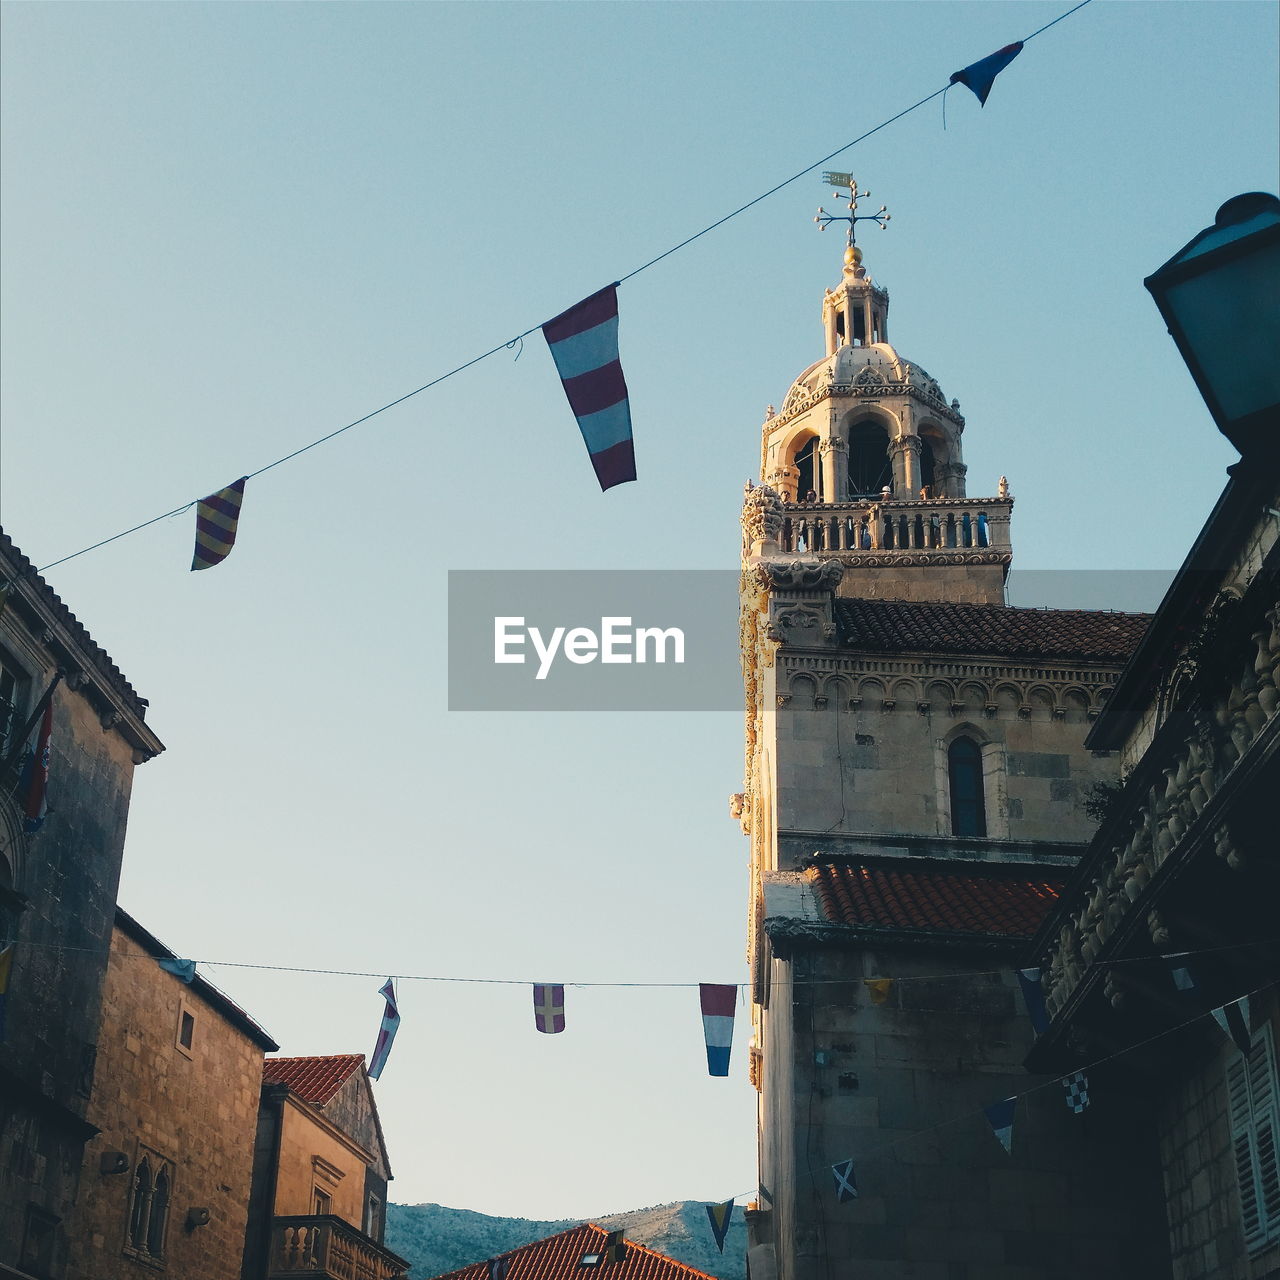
(197, 1111)
(1199, 1168)
(900, 1089)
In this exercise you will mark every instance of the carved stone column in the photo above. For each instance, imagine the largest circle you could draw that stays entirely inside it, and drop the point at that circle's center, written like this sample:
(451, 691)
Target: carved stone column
(835, 469)
(905, 452)
(761, 520)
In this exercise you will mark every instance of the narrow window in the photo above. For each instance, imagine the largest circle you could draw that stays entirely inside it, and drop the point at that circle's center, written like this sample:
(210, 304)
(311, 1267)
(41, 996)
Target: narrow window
(968, 806)
(321, 1202)
(1253, 1094)
(38, 1235)
(159, 1215)
(186, 1029)
(140, 1215)
(372, 1216)
(869, 466)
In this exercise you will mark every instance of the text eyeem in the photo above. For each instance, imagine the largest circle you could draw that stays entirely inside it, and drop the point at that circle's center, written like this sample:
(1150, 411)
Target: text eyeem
(616, 641)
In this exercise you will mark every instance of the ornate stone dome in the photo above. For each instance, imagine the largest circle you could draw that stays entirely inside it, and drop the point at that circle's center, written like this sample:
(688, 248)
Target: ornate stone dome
(876, 364)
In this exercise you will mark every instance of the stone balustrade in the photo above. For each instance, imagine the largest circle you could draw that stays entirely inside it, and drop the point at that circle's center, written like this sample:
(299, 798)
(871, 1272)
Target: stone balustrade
(924, 525)
(328, 1248)
(1166, 812)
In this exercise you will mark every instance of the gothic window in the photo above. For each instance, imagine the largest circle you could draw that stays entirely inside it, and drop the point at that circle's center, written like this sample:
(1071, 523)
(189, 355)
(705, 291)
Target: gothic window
(869, 468)
(12, 691)
(1253, 1094)
(968, 804)
(149, 1207)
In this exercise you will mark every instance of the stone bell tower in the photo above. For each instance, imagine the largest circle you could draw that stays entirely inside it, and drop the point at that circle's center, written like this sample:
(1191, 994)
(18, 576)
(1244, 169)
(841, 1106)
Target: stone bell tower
(866, 465)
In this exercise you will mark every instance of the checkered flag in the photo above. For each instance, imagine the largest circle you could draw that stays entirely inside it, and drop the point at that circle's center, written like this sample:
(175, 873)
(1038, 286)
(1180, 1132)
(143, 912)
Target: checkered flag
(1077, 1091)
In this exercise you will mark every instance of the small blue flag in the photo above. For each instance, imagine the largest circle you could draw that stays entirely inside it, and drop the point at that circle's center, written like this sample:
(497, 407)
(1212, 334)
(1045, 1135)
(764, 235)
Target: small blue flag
(183, 969)
(981, 75)
(1000, 1114)
(1033, 995)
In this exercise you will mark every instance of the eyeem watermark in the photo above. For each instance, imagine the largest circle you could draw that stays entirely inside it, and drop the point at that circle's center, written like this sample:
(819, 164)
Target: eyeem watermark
(616, 641)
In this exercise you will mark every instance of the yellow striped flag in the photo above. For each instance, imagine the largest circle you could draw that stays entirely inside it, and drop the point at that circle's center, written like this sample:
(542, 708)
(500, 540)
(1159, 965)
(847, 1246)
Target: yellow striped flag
(216, 519)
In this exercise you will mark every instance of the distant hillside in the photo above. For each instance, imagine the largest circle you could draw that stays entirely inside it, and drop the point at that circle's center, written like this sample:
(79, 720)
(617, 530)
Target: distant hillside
(436, 1239)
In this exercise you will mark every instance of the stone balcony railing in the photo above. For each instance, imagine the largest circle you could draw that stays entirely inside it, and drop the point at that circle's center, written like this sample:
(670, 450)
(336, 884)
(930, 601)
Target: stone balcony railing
(1173, 810)
(328, 1248)
(928, 525)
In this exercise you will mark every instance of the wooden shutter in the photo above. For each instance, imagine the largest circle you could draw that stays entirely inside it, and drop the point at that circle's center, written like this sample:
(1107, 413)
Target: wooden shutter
(1254, 1109)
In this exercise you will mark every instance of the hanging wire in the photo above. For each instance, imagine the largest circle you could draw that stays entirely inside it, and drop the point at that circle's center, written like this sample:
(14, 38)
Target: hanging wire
(502, 346)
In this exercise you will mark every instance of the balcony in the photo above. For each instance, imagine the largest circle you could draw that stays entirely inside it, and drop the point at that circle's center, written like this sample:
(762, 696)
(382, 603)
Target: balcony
(877, 530)
(329, 1248)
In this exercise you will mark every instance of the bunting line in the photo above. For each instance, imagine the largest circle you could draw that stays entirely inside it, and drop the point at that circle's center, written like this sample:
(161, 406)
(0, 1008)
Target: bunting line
(511, 342)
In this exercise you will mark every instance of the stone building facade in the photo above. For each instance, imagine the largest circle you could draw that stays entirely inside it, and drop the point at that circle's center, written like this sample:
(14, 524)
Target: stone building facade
(916, 778)
(57, 903)
(320, 1175)
(165, 1187)
(1170, 914)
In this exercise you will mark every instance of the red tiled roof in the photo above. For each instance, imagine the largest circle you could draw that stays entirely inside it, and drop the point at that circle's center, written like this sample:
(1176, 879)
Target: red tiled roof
(889, 625)
(316, 1080)
(936, 900)
(559, 1257)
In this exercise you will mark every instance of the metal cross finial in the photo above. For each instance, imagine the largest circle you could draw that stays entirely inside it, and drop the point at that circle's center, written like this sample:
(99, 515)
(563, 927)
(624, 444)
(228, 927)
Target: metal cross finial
(824, 219)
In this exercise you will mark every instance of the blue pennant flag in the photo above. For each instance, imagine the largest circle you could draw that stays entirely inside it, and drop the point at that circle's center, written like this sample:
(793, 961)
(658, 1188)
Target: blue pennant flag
(1033, 995)
(846, 1184)
(1233, 1018)
(981, 75)
(721, 1215)
(1000, 1114)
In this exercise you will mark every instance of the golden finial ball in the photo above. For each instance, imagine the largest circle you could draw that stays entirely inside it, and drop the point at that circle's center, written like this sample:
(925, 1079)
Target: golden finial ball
(853, 256)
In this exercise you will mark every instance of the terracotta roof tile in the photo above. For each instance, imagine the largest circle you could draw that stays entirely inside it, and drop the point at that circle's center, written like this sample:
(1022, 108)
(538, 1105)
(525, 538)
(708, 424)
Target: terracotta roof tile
(559, 1257)
(936, 900)
(889, 625)
(316, 1080)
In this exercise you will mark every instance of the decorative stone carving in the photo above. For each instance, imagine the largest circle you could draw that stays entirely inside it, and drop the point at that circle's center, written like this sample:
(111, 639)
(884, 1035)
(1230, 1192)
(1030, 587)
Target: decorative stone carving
(761, 515)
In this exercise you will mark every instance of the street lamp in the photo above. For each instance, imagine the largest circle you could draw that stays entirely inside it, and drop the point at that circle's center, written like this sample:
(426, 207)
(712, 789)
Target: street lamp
(1220, 297)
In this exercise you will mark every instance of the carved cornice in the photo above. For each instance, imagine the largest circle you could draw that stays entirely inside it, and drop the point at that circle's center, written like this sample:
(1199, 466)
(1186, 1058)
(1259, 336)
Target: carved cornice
(873, 391)
(799, 575)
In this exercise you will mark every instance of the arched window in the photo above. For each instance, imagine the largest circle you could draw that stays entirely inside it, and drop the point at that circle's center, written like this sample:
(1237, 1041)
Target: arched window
(140, 1215)
(928, 467)
(968, 804)
(869, 468)
(806, 462)
(159, 1213)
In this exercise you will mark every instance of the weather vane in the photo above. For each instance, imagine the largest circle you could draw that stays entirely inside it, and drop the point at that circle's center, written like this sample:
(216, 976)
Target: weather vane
(824, 219)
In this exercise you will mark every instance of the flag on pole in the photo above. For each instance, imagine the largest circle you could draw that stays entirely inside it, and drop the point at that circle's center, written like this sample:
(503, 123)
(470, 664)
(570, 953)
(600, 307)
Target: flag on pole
(183, 969)
(1033, 995)
(548, 1007)
(216, 520)
(721, 1215)
(718, 1001)
(846, 1183)
(878, 989)
(980, 76)
(1076, 1087)
(1233, 1018)
(1000, 1114)
(33, 785)
(584, 345)
(386, 1032)
(6, 972)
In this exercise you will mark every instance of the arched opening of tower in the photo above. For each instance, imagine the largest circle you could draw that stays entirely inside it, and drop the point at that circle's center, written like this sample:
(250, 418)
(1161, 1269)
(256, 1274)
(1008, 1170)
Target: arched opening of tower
(928, 468)
(806, 463)
(869, 467)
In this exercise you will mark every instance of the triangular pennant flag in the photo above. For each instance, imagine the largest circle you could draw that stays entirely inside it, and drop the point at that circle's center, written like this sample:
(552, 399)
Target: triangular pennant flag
(33, 785)
(386, 1032)
(216, 520)
(721, 1215)
(980, 76)
(1076, 1087)
(1000, 1114)
(183, 969)
(718, 1002)
(6, 973)
(1033, 995)
(548, 1007)
(846, 1183)
(878, 989)
(584, 344)
(1233, 1018)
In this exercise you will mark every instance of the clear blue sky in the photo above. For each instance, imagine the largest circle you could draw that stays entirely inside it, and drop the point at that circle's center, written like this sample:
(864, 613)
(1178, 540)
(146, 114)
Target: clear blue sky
(231, 228)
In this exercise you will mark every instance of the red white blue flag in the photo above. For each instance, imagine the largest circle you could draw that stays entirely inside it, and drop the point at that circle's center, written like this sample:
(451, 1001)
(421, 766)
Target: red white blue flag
(33, 786)
(386, 1032)
(584, 345)
(718, 1002)
(548, 1007)
(981, 75)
